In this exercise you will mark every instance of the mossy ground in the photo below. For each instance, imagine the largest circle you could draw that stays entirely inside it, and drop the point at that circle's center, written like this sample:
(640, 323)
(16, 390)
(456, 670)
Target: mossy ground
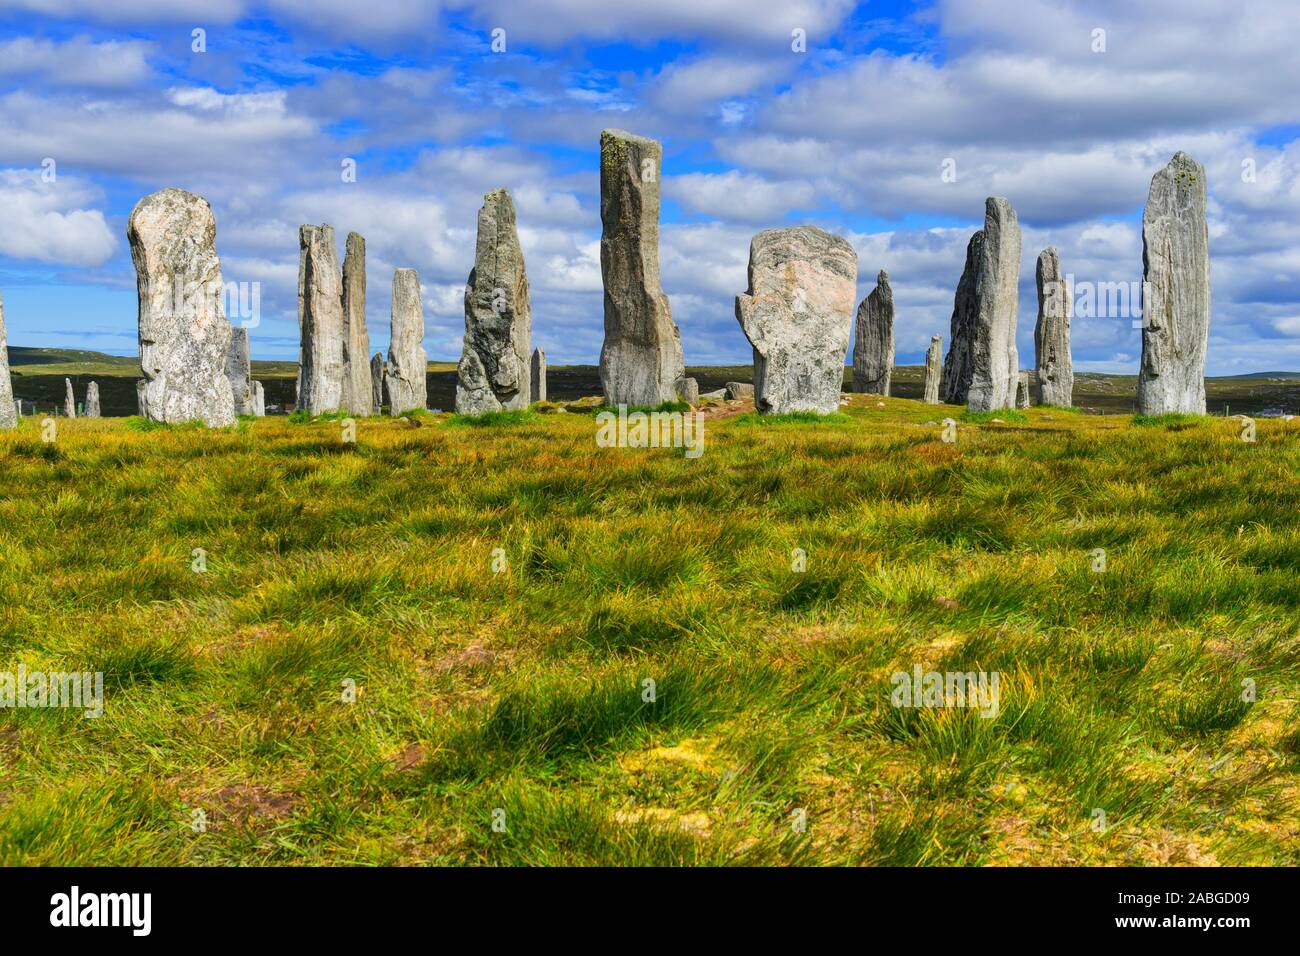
(513, 681)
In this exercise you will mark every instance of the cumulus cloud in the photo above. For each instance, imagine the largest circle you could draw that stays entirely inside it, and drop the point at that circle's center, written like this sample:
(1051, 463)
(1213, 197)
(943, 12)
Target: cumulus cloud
(48, 221)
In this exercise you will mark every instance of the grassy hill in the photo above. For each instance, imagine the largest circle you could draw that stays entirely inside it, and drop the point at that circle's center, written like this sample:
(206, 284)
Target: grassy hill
(641, 674)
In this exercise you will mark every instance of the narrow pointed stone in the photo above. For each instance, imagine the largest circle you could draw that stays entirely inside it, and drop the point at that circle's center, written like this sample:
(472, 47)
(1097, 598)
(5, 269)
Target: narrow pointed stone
(184, 335)
(8, 410)
(69, 399)
(641, 358)
(1175, 291)
(873, 349)
(358, 392)
(537, 376)
(408, 365)
(494, 368)
(320, 319)
(378, 369)
(259, 400)
(92, 400)
(141, 397)
(933, 369)
(239, 369)
(1052, 361)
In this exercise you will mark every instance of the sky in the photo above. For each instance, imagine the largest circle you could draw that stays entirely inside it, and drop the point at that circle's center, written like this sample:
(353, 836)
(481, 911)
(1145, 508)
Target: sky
(885, 122)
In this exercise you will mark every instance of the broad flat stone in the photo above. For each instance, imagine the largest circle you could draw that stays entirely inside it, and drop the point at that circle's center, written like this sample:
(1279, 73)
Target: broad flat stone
(320, 319)
(933, 370)
(408, 364)
(873, 347)
(736, 391)
(1052, 363)
(797, 314)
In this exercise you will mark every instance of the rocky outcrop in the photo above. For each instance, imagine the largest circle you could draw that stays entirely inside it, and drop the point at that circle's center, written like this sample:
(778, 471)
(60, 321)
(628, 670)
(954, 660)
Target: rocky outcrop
(537, 376)
(1176, 291)
(320, 319)
(873, 348)
(797, 314)
(933, 370)
(493, 375)
(239, 369)
(184, 334)
(1052, 363)
(357, 392)
(8, 410)
(983, 363)
(641, 359)
(406, 380)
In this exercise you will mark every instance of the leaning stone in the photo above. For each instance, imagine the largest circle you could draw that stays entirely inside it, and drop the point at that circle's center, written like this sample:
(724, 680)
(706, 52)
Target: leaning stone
(1176, 291)
(933, 369)
(184, 335)
(797, 314)
(92, 400)
(688, 390)
(69, 399)
(408, 365)
(494, 367)
(641, 359)
(9, 413)
(983, 362)
(320, 320)
(737, 391)
(239, 368)
(378, 369)
(357, 392)
(1052, 333)
(873, 348)
(537, 377)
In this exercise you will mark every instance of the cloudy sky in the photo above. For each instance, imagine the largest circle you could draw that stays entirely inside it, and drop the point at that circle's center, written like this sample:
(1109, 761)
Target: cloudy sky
(888, 122)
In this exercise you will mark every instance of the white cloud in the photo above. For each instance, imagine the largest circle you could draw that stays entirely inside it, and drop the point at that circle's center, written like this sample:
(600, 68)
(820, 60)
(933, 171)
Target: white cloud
(47, 221)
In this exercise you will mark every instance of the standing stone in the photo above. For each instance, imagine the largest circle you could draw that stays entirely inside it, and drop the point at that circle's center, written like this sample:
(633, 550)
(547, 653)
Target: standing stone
(259, 400)
(407, 362)
(8, 411)
(688, 391)
(184, 335)
(358, 390)
(239, 369)
(141, 397)
(378, 369)
(1022, 390)
(69, 399)
(1175, 291)
(92, 400)
(1052, 333)
(320, 319)
(983, 363)
(641, 359)
(873, 350)
(797, 314)
(537, 376)
(933, 369)
(494, 367)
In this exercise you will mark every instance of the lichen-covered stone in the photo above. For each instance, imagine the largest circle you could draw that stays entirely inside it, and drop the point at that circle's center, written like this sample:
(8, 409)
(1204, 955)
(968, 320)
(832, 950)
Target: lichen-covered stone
(537, 376)
(320, 320)
(357, 390)
(933, 370)
(738, 391)
(408, 365)
(239, 369)
(1052, 362)
(873, 347)
(688, 390)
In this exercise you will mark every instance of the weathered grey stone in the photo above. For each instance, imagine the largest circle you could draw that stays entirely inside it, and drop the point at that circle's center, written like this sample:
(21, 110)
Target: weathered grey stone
(358, 393)
(320, 320)
(494, 369)
(1175, 291)
(378, 369)
(184, 335)
(716, 393)
(8, 411)
(1052, 362)
(92, 400)
(408, 365)
(641, 359)
(239, 369)
(983, 362)
(736, 391)
(259, 400)
(69, 399)
(141, 397)
(1022, 390)
(873, 348)
(537, 376)
(688, 390)
(797, 314)
(933, 370)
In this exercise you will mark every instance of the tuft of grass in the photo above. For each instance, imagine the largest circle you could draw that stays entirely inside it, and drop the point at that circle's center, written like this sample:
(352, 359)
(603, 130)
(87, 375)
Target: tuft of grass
(138, 423)
(794, 418)
(1012, 415)
(1171, 420)
(522, 416)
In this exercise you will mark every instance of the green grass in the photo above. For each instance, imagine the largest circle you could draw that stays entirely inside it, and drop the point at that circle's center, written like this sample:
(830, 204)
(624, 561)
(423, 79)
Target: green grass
(794, 418)
(1013, 415)
(611, 652)
(523, 416)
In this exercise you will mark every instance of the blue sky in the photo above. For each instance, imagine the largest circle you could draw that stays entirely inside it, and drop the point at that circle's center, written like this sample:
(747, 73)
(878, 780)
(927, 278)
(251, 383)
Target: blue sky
(853, 133)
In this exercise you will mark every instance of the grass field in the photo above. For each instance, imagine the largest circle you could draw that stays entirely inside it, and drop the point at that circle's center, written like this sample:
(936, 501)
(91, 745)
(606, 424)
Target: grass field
(509, 686)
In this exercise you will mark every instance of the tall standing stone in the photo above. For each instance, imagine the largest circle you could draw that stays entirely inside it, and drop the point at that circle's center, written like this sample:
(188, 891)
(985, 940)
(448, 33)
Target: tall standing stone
(641, 359)
(184, 335)
(142, 397)
(92, 400)
(494, 369)
(239, 369)
(8, 411)
(378, 369)
(408, 365)
(1022, 390)
(873, 349)
(1175, 291)
(537, 376)
(358, 391)
(1052, 333)
(320, 319)
(983, 364)
(69, 399)
(933, 369)
(259, 400)
(797, 314)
